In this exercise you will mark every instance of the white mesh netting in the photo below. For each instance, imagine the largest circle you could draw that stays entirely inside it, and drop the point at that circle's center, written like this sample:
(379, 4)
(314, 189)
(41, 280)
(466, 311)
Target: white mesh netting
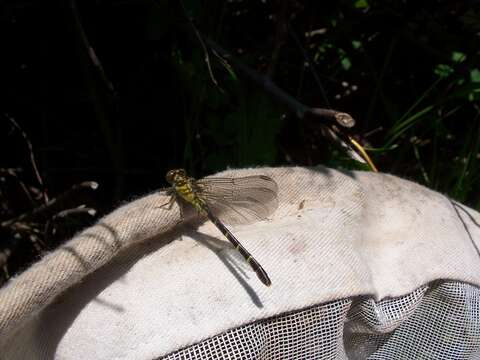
(438, 321)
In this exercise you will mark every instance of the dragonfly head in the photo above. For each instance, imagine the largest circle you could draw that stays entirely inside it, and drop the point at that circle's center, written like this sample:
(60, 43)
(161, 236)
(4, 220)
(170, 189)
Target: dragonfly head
(174, 175)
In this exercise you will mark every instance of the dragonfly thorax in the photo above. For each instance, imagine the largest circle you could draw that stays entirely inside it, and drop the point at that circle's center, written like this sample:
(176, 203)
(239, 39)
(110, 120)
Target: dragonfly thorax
(183, 186)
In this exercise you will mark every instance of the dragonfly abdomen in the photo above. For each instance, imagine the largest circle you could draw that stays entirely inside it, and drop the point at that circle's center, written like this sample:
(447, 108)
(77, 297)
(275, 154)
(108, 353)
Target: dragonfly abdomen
(261, 273)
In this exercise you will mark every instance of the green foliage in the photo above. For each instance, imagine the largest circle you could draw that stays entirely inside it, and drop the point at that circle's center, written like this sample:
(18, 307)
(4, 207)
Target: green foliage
(406, 72)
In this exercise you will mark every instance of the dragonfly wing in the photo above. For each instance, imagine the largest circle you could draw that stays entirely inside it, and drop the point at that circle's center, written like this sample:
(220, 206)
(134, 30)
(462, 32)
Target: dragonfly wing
(239, 200)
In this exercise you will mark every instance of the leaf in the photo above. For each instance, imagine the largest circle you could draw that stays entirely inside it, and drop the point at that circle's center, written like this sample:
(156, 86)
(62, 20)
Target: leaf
(443, 70)
(458, 57)
(361, 4)
(346, 63)
(475, 75)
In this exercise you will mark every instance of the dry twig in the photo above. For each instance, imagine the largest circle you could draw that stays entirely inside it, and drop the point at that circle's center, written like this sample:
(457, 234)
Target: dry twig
(32, 155)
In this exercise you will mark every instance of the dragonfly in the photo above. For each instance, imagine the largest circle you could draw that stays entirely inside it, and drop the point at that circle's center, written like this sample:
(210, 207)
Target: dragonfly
(224, 200)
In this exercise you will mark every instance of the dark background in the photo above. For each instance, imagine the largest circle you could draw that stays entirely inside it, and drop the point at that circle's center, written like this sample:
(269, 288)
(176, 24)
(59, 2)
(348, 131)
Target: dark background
(119, 92)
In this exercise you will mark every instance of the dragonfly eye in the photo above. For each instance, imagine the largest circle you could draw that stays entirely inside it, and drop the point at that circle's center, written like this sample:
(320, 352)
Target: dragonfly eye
(170, 176)
(173, 175)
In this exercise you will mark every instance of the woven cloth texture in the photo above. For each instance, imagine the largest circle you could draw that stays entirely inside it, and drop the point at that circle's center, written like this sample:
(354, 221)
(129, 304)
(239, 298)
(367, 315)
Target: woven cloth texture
(139, 285)
(437, 321)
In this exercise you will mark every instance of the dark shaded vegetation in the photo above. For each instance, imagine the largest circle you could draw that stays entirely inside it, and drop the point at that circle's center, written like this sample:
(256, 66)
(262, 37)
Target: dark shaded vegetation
(119, 92)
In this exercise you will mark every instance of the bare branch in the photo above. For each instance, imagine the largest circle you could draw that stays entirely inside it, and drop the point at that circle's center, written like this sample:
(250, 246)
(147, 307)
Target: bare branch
(90, 50)
(13, 173)
(337, 123)
(82, 209)
(32, 156)
(311, 65)
(280, 34)
(54, 206)
(325, 116)
(202, 43)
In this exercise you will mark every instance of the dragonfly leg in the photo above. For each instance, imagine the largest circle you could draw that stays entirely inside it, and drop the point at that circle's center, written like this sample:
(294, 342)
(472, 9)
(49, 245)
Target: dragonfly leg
(182, 217)
(168, 205)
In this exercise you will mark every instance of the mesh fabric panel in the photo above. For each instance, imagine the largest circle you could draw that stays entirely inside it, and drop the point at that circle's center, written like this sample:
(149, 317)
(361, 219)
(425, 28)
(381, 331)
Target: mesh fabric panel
(439, 321)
